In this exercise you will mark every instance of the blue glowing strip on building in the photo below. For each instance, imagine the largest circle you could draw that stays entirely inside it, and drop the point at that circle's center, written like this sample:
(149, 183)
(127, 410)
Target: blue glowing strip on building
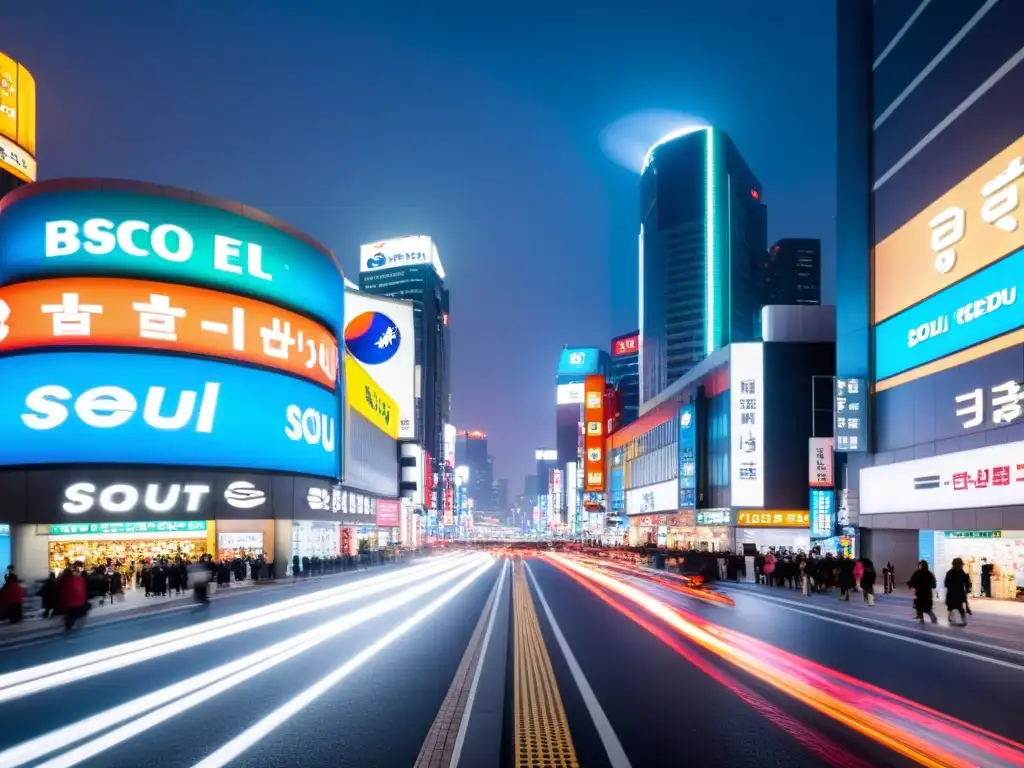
(710, 244)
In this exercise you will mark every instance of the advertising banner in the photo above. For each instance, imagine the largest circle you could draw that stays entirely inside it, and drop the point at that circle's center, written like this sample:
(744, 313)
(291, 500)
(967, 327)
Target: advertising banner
(851, 415)
(112, 312)
(823, 513)
(366, 398)
(687, 457)
(572, 496)
(17, 119)
(103, 227)
(714, 517)
(555, 494)
(758, 518)
(992, 476)
(820, 474)
(626, 345)
(112, 408)
(569, 394)
(576, 361)
(649, 499)
(594, 434)
(410, 251)
(380, 334)
(746, 395)
(389, 513)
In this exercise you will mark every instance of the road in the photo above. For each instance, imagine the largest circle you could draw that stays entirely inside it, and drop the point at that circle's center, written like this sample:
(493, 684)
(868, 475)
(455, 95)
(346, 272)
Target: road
(546, 660)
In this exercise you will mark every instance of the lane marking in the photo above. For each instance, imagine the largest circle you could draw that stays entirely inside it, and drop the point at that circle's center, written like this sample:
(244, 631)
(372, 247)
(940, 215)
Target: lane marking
(915, 630)
(460, 740)
(612, 745)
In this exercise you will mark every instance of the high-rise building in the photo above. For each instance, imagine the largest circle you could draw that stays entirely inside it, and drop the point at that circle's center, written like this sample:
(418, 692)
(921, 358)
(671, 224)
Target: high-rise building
(501, 500)
(409, 268)
(703, 235)
(471, 451)
(17, 125)
(624, 375)
(793, 272)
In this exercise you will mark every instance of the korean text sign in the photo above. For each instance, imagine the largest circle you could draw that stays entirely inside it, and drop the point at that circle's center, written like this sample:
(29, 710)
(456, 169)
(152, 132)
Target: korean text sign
(111, 312)
(992, 476)
(17, 119)
(593, 438)
(851, 414)
(626, 345)
(823, 513)
(965, 230)
(687, 457)
(368, 399)
(112, 408)
(756, 518)
(820, 474)
(983, 306)
(53, 230)
(746, 396)
(1002, 406)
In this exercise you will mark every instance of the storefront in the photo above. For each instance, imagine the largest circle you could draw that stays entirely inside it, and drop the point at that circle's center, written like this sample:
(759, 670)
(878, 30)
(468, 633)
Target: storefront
(1004, 550)
(92, 544)
(759, 530)
(5, 547)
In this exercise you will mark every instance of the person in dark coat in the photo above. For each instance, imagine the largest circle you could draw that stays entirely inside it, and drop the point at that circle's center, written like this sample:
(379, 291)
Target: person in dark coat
(48, 592)
(958, 587)
(845, 578)
(923, 584)
(867, 580)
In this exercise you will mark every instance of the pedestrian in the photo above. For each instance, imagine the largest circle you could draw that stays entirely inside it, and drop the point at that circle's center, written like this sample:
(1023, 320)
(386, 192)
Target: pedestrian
(922, 582)
(987, 570)
(958, 587)
(12, 599)
(867, 580)
(48, 592)
(73, 596)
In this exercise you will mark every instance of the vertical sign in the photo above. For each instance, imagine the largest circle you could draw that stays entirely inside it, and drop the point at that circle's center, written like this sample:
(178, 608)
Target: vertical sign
(823, 513)
(746, 394)
(572, 502)
(820, 463)
(687, 457)
(555, 492)
(851, 413)
(593, 440)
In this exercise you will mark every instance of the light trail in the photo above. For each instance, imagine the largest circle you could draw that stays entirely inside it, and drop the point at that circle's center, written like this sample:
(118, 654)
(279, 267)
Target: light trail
(254, 734)
(677, 583)
(920, 734)
(30, 680)
(149, 710)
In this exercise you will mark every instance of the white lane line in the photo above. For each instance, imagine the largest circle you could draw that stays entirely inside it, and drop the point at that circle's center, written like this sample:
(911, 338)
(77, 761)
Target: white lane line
(460, 739)
(859, 617)
(905, 639)
(612, 745)
(254, 734)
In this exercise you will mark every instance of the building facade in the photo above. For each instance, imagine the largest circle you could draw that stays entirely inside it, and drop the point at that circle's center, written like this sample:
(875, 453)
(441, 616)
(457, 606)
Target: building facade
(471, 451)
(793, 272)
(928, 265)
(624, 375)
(703, 235)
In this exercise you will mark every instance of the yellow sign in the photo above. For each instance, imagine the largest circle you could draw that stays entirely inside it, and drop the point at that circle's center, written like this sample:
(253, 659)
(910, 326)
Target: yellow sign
(974, 224)
(17, 119)
(365, 397)
(773, 518)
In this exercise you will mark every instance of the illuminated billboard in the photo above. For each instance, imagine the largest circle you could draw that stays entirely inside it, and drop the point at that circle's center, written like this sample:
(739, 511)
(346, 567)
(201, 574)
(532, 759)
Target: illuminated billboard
(410, 251)
(115, 408)
(449, 435)
(103, 227)
(746, 424)
(545, 454)
(17, 119)
(381, 336)
(626, 345)
(578, 361)
(594, 434)
(945, 283)
(569, 394)
(114, 312)
(364, 396)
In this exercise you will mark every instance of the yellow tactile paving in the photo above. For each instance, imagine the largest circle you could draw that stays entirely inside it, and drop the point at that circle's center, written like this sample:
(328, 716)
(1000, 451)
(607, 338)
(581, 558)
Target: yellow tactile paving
(542, 738)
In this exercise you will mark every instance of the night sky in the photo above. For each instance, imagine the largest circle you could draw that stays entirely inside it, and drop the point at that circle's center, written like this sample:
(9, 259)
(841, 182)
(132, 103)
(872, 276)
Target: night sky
(479, 123)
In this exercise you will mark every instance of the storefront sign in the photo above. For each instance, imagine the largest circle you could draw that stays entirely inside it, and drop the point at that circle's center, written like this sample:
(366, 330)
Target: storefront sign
(820, 469)
(851, 415)
(110, 312)
(756, 518)
(973, 534)
(389, 513)
(367, 398)
(593, 439)
(687, 457)
(823, 513)
(123, 498)
(746, 385)
(712, 517)
(626, 345)
(126, 229)
(648, 499)
(152, 526)
(978, 308)
(112, 408)
(317, 500)
(992, 476)
(972, 225)
(1003, 405)
(242, 494)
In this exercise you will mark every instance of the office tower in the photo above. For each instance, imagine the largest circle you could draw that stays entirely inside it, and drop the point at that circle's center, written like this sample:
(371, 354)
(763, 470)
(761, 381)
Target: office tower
(793, 272)
(409, 268)
(471, 452)
(703, 235)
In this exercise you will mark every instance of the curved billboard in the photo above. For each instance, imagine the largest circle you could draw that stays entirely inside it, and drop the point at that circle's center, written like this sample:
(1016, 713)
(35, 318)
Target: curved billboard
(101, 227)
(17, 119)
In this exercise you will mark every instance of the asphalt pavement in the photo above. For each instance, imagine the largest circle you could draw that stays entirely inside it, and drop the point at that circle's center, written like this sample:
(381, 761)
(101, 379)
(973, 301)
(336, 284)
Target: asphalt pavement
(359, 671)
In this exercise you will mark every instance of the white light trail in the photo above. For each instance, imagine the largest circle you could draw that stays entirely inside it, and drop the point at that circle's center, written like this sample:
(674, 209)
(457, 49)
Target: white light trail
(42, 677)
(253, 735)
(174, 699)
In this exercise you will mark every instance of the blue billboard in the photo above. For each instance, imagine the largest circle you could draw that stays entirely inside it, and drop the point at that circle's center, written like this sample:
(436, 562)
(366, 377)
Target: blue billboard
(687, 457)
(103, 228)
(823, 513)
(978, 308)
(111, 408)
(577, 362)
